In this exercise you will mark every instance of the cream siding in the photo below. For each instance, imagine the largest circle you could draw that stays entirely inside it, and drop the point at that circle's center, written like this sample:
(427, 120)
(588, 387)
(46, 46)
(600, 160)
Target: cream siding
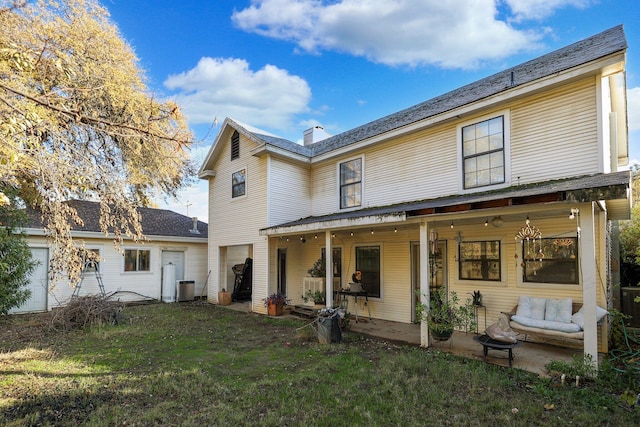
(555, 136)
(129, 286)
(547, 133)
(237, 221)
(289, 197)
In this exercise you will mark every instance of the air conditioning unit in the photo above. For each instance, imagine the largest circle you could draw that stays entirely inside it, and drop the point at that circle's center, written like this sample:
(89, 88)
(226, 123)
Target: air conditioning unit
(629, 306)
(185, 289)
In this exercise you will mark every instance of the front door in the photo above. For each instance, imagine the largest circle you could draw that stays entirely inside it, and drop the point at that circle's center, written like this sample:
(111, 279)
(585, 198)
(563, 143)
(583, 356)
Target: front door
(176, 258)
(282, 271)
(38, 283)
(438, 275)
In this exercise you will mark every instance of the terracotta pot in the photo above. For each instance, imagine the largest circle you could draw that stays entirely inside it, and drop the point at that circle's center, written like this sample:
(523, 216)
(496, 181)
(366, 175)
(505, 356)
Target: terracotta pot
(275, 309)
(224, 298)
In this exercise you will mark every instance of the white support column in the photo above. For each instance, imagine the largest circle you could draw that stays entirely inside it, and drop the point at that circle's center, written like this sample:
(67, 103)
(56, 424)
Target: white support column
(587, 244)
(328, 269)
(424, 280)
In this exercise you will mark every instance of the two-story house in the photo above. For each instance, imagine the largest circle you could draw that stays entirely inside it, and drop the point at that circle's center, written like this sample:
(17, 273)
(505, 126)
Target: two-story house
(450, 192)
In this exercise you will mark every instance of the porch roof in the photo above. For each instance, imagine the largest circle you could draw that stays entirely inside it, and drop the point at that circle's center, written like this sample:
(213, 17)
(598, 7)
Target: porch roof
(612, 188)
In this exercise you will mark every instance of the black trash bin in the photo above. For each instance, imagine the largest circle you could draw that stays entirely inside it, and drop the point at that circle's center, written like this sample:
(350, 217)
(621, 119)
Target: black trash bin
(329, 330)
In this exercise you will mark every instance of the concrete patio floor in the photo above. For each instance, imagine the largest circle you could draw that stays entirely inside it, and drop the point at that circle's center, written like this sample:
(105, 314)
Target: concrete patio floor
(529, 356)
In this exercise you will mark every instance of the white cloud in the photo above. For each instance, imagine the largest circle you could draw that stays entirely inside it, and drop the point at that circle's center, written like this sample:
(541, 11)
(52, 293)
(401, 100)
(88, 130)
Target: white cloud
(540, 9)
(460, 34)
(221, 88)
(633, 108)
(195, 196)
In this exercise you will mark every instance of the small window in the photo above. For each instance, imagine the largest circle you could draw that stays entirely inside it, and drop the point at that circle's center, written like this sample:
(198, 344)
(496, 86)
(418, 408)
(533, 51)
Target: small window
(238, 180)
(479, 260)
(235, 145)
(483, 158)
(351, 183)
(92, 260)
(137, 260)
(558, 262)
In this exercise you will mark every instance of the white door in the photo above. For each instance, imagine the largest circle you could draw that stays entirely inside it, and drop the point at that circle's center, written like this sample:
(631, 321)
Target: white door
(38, 283)
(176, 258)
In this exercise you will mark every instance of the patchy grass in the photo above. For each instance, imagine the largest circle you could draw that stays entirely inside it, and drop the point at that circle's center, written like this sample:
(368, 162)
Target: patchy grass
(194, 365)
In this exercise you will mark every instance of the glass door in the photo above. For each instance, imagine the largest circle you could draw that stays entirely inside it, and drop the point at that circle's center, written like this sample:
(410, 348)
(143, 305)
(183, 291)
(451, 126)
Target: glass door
(437, 278)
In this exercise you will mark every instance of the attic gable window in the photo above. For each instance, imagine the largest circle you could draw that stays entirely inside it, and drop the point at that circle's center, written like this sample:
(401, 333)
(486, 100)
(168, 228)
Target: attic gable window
(235, 145)
(238, 181)
(351, 183)
(483, 153)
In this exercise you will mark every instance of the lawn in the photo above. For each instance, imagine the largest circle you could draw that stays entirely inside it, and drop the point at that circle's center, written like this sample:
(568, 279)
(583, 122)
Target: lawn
(192, 364)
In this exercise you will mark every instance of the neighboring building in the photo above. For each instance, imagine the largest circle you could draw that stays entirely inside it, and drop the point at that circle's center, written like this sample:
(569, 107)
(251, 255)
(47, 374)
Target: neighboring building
(137, 272)
(435, 194)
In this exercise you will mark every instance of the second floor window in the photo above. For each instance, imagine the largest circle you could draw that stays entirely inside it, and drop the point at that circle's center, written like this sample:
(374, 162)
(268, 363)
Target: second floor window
(483, 153)
(351, 183)
(238, 180)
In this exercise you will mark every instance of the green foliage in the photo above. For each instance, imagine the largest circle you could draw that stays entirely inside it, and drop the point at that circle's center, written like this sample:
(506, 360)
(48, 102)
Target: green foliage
(630, 238)
(318, 268)
(446, 313)
(580, 365)
(315, 296)
(16, 263)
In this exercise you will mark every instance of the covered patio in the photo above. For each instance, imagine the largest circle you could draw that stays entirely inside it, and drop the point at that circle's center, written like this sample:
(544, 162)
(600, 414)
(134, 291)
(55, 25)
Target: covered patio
(532, 357)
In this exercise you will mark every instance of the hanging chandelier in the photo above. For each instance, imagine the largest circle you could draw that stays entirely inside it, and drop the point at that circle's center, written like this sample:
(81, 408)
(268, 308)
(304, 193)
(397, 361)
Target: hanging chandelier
(528, 232)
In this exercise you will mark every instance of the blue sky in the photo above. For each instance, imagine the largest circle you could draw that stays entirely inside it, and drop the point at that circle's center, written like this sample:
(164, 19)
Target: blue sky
(287, 65)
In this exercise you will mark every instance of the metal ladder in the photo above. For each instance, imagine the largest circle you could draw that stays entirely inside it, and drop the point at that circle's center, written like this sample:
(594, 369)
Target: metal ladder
(96, 268)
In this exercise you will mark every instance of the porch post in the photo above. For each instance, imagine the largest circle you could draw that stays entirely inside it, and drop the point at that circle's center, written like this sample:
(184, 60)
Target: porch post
(328, 267)
(589, 278)
(424, 280)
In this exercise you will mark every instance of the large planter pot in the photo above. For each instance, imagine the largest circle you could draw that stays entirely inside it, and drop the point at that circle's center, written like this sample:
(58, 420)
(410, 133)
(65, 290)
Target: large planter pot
(275, 309)
(441, 333)
(224, 298)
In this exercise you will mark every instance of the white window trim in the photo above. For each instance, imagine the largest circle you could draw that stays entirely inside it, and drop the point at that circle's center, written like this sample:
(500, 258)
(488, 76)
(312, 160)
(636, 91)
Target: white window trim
(138, 248)
(555, 286)
(507, 152)
(362, 195)
(502, 283)
(246, 180)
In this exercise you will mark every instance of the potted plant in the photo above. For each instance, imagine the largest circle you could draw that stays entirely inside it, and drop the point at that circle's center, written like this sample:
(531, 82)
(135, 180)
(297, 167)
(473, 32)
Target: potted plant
(477, 298)
(275, 304)
(445, 314)
(318, 297)
(224, 297)
(318, 268)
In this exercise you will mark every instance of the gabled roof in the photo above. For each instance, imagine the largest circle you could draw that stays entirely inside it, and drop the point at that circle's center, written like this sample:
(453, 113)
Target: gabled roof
(599, 46)
(155, 222)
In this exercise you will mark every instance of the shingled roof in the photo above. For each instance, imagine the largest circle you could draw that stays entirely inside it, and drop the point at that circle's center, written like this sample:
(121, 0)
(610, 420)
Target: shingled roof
(155, 222)
(590, 49)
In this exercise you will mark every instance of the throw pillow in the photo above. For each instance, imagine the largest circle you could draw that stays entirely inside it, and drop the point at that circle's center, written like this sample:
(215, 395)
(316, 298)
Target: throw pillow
(578, 318)
(531, 307)
(558, 310)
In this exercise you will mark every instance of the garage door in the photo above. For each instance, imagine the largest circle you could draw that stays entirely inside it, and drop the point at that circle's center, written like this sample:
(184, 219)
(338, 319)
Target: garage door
(38, 283)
